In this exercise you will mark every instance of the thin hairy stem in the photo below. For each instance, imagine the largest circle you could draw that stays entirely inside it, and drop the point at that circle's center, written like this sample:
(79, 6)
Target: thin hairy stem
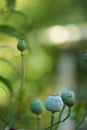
(81, 121)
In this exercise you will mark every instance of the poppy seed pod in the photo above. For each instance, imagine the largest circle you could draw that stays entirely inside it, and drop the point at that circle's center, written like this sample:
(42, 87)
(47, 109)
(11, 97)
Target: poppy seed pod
(54, 103)
(37, 106)
(21, 45)
(68, 97)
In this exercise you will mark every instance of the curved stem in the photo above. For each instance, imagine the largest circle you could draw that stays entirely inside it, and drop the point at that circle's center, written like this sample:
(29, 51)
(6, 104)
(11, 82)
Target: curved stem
(66, 116)
(61, 121)
(12, 109)
(81, 121)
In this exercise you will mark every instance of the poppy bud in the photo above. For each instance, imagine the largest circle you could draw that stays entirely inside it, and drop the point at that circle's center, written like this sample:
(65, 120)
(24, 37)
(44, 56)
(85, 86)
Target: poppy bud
(37, 106)
(68, 97)
(21, 45)
(54, 103)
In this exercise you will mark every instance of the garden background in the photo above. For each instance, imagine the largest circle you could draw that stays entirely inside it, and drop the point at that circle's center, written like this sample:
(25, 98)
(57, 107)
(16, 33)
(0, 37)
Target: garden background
(57, 35)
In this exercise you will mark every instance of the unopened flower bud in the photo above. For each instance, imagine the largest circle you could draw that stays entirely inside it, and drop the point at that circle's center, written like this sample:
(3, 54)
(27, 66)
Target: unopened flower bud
(21, 45)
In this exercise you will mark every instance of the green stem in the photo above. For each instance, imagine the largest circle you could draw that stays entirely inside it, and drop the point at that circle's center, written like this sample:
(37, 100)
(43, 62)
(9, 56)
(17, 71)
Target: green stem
(69, 112)
(61, 121)
(38, 122)
(12, 109)
(52, 118)
(81, 121)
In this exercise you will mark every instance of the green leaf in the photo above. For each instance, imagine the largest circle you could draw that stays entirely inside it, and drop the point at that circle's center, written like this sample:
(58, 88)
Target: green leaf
(9, 62)
(14, 33)
(21, 13)
(11, 31)
(8, 14)
(7, 83)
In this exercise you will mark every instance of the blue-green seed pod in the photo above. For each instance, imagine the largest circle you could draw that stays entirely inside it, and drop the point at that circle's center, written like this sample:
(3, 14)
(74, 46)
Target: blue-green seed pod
(68, 97)
(21, 45)
(54, 103)
(37, 106)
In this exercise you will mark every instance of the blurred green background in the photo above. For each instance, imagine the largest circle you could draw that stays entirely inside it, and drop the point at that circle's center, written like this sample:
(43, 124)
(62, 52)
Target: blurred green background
(57, 34)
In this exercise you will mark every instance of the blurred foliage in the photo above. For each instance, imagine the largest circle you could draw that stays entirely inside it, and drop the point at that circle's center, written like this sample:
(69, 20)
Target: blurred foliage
(21, 19)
